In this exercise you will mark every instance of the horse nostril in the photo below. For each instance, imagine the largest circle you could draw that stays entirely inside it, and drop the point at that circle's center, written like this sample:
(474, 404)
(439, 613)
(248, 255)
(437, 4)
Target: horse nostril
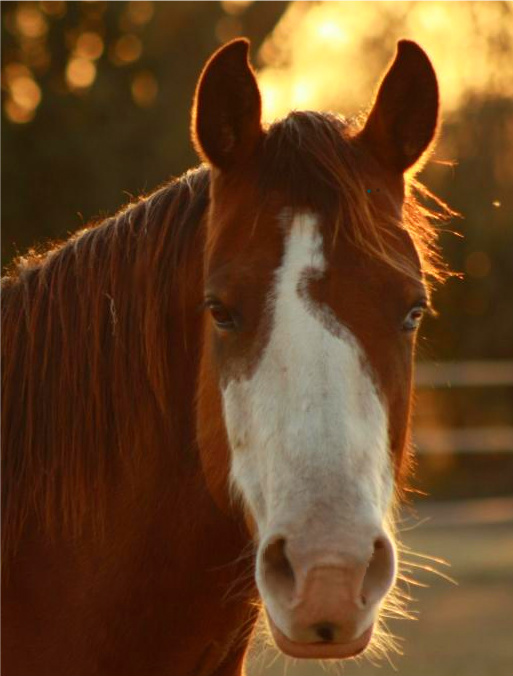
(276, 558)
(325, 631)
(379, 574)
(278, 571)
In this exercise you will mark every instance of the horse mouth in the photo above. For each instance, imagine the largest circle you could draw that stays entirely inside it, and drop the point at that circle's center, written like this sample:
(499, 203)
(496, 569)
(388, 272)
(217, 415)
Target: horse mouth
(321, 650)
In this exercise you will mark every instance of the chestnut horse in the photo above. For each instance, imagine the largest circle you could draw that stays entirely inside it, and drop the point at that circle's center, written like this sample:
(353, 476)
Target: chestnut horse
(206, 397)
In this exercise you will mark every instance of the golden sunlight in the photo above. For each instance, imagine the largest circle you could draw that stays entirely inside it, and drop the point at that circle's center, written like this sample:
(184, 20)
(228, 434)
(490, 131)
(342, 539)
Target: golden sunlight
(332, 31)
(328, 55)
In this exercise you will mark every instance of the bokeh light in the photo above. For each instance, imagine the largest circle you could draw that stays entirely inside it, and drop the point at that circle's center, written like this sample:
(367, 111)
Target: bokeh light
(144, 88)
(235, 7)
(24, 94)
(12, 72)
(30, 22)
(54, 8)
(16, 113)
(89, 45)
(126, 50)
(80, 73)
(140, 13)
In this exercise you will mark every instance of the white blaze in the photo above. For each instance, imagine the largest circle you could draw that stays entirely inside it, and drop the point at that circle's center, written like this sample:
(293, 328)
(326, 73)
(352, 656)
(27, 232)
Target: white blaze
(308, 430)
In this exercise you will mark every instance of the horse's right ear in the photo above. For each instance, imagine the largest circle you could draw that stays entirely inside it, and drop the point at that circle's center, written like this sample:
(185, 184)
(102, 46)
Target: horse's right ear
(226, 117)
(404, 118)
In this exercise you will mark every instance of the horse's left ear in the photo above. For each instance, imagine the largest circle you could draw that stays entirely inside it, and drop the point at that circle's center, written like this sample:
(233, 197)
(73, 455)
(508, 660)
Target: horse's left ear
(404, 117)
(226, 126)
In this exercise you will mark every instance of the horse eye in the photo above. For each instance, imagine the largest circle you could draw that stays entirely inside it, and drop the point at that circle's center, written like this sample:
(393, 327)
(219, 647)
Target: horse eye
(222, 317)
(413, 318)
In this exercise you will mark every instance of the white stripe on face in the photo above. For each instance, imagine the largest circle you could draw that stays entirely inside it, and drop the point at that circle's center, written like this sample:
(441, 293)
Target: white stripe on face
(307, 429)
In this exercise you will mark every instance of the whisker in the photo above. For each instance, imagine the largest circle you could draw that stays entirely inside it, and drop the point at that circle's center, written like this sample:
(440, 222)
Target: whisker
(398, 613)
(410, 580)
(247, 552)
(420, 522)
(430, 569)
(403, 597)
(248, 628)
(401, 548)
(239, 587)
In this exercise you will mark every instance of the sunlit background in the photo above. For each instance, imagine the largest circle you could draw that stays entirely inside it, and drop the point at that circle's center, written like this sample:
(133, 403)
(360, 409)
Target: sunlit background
(95, 106)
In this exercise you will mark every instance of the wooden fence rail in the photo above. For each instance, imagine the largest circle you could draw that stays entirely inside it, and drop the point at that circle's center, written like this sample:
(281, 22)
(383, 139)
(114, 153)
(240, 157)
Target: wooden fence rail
(476, 374)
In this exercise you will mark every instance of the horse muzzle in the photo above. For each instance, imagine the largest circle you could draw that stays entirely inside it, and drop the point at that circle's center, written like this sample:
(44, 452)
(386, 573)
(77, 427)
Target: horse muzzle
(322, 604)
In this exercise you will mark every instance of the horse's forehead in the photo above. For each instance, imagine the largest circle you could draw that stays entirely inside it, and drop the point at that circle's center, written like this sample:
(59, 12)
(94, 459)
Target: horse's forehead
(273, 281)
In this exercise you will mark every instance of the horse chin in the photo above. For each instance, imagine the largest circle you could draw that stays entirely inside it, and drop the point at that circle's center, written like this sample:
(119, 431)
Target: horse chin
(320, 650)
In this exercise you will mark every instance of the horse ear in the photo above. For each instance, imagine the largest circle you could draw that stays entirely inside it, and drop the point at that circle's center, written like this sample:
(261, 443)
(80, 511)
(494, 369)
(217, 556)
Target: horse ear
(226, 125)
(403, 119)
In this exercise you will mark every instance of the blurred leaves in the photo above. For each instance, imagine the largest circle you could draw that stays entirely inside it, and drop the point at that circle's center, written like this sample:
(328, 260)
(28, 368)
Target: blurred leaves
(96, 99)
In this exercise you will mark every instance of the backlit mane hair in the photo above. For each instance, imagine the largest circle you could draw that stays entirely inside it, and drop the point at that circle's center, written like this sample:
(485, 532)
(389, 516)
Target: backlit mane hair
(310, 160)
(85, 351)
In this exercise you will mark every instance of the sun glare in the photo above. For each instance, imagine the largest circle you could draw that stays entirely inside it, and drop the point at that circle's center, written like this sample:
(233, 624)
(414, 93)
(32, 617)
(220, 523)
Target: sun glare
(302, 93)
(332, 32)
(329, 55)
(272, 96)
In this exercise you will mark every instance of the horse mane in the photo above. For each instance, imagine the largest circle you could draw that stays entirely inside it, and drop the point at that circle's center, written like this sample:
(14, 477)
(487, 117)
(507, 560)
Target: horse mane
(312, 159)
(85, 350)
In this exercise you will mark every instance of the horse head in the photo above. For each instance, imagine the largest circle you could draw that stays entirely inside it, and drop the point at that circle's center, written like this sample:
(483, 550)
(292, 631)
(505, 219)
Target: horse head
(314, 286)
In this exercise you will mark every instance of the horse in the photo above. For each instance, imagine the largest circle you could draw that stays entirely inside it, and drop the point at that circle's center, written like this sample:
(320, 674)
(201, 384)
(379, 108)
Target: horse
(206, 397)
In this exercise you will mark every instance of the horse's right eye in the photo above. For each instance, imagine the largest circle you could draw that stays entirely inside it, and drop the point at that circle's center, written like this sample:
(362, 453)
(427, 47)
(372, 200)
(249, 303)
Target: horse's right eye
(414, 317)
(221, 315)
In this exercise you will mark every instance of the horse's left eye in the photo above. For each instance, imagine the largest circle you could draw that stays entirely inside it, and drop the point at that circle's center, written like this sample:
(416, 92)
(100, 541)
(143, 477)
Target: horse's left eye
(221, 315)
(414, 317)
